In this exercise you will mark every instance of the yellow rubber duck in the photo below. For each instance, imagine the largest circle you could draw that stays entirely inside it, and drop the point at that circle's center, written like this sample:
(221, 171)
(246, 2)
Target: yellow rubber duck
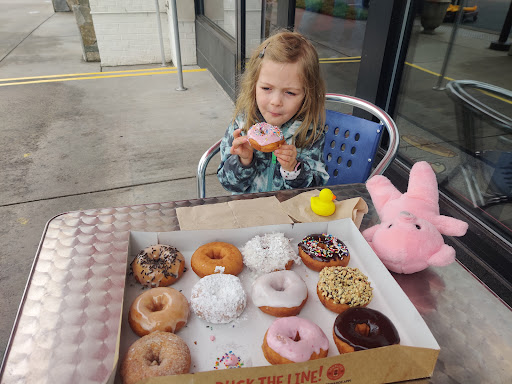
(323, 204)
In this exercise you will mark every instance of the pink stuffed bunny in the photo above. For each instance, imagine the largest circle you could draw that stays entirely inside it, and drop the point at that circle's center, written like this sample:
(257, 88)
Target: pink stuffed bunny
(409, 237)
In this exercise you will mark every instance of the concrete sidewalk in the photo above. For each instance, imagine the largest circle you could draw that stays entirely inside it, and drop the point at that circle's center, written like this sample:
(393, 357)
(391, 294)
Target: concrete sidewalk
(89, 143)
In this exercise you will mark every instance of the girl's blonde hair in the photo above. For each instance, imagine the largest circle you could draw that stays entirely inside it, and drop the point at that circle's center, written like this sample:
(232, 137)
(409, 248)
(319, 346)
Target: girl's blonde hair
(287, 47)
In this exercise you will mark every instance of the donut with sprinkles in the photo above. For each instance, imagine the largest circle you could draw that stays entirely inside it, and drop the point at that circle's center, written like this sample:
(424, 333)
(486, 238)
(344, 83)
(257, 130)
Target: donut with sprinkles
(318, 251)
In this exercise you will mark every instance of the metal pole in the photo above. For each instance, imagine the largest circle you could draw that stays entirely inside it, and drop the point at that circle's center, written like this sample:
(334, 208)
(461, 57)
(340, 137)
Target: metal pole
(458, 19)
(177, 45)
(159, 23)
(503, 44)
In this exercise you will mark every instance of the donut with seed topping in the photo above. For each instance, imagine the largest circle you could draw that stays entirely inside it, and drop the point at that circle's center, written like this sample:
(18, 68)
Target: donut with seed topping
(340, 288)
(323, 250)
(158, 266)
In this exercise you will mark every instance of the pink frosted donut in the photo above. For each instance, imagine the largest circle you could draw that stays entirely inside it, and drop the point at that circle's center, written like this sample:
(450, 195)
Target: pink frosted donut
(294, 340)
(265, 137)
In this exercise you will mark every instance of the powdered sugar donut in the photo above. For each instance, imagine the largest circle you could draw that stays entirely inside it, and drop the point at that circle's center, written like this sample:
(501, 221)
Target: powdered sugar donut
(218, 298)
(265, 137)
(268, 253)
(280, 293)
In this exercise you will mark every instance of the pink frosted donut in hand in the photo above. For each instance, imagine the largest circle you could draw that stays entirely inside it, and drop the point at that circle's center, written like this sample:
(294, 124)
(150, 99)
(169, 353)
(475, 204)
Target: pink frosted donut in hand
(265, 137)
(294, 340)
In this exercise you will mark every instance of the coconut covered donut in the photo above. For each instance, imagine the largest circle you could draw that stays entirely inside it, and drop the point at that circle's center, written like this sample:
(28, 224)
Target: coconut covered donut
(268, 253)
(323, 250)
(294, 340)
(158, 266)
(218, 298)
(157, 354)
(340, 288)
(217, 257)
(357, 329)
(265, 137)
(280, 293)
(162, 309)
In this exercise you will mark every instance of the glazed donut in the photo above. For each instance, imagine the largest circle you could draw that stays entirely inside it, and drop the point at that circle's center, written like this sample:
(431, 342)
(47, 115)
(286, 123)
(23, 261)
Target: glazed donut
(157, 354)
(294, 340)
(158, 266)
(340, 288)
(265, 137)
(280, 293)
(217, 257)
(218, 298)
(357, 329)
(268, 253)
(323, 250)
(158, 309)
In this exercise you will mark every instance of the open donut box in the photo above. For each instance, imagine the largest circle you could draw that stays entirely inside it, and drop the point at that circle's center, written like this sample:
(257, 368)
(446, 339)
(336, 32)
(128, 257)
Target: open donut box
(414, 358)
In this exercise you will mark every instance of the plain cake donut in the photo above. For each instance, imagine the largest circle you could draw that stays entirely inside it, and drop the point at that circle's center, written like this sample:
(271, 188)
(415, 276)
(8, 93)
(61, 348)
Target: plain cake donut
(217, 257)
(218, 298)
(158, 309)
(158, 266)
(280, 293)
(157, 354)
(294, 340)
(358, 329)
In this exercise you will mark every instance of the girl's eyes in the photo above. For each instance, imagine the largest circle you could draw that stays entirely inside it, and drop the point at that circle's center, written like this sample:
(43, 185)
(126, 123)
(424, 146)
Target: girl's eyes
(291, 93)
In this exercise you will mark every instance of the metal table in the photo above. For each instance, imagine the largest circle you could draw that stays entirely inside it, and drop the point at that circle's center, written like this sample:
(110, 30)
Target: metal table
(68, 323)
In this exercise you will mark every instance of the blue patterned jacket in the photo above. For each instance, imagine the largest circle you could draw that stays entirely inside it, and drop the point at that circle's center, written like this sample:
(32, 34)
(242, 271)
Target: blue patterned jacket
(262, 174)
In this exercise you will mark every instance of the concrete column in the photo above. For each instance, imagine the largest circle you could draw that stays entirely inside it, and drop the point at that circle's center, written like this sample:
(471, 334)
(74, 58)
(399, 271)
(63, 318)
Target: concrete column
(82, 11)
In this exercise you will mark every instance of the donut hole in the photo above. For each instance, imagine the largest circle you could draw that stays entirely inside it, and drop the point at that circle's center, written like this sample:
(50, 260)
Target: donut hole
(277, 285)
(363, 329)
(157, 304)
(153, 357)
(216, 255)
(297, 337)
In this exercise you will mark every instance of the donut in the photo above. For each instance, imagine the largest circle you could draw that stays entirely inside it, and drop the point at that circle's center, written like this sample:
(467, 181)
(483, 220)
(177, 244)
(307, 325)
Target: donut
(158, 266)
(265, 137)
(216, 257)
(268, 253)
(340, 288)
(157, 354)
(158, 309)
(280, 293)
(357, 329)
(218, 298)
(294, 340)
(323, 250)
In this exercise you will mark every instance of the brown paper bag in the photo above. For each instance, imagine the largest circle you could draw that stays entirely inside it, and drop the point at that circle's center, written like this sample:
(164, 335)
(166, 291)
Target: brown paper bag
(234, 214)
(299, 208)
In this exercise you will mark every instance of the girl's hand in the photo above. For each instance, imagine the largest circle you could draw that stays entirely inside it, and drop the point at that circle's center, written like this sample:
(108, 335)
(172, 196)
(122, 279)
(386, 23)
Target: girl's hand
(241, 147)
(286, 154)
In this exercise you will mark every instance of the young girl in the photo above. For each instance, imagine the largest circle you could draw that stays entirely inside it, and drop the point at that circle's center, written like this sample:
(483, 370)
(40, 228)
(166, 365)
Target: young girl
(283, 87)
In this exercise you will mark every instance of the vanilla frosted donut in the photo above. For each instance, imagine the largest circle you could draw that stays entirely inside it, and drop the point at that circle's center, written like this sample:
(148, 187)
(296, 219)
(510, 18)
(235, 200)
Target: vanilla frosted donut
(157, 354)
(158, 309)
(218, 298)
(265, 137)
(280, 293)
(294, 340)
(270, 252)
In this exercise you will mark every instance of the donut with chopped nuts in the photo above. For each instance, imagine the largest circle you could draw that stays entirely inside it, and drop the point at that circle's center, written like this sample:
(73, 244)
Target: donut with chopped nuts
(318, 251)
(340, 288)
(158, 266)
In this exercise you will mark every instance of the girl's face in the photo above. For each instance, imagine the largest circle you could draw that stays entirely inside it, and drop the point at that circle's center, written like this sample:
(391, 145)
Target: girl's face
(279, 91)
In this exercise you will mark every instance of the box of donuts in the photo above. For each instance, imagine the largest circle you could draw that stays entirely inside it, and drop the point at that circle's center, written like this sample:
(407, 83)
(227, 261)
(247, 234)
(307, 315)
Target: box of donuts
(279, 304)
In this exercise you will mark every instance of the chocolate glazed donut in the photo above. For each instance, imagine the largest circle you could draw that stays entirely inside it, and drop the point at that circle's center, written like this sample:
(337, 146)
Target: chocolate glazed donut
(357, 329)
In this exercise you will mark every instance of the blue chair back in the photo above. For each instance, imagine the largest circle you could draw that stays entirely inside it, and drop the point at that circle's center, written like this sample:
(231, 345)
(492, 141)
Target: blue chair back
(350, 147)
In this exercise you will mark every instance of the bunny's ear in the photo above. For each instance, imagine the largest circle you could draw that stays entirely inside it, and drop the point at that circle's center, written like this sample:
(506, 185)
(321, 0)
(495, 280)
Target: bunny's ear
(423, 183)
(445, 256)
(449, 226)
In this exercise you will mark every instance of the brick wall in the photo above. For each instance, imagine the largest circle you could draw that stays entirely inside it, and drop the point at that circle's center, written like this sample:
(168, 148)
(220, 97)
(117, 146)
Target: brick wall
(127, 32)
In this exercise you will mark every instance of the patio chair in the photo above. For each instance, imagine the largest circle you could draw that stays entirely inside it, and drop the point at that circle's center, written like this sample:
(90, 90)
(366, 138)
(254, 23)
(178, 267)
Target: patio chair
(351, 144)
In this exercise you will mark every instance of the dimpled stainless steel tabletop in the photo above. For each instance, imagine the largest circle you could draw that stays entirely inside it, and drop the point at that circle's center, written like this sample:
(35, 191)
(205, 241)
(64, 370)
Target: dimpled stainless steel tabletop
(68, 323)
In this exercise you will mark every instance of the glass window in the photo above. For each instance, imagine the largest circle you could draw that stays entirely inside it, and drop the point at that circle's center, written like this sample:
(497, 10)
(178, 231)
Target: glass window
(463, 129)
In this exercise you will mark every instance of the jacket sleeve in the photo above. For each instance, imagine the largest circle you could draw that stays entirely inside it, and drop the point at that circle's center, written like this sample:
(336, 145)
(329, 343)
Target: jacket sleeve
(312, 173)
(232, 174)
